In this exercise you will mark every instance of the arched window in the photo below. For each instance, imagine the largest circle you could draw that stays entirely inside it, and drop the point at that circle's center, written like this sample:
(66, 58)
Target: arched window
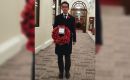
(79, 5)
(79, 11)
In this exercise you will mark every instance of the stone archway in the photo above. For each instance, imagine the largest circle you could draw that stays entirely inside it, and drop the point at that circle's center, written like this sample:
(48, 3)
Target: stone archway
(79, 11)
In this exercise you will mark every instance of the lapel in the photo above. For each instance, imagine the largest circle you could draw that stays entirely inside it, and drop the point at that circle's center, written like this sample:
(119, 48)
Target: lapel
(68, 17)
(65, 21)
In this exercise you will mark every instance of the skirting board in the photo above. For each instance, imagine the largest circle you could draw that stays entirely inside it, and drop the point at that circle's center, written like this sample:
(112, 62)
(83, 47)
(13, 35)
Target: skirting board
(91, 35)
(11, 47)
(43, 46)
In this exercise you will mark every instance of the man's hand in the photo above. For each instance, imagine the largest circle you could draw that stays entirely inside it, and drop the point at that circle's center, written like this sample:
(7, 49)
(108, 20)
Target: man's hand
(74, 43)
(98, 47)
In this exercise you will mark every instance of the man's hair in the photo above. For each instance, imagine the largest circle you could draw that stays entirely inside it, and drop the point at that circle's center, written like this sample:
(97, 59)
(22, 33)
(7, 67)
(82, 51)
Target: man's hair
(65, 2)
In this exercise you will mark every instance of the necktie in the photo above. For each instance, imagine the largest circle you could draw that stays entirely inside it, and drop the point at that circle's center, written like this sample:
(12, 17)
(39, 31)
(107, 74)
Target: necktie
(65, 16)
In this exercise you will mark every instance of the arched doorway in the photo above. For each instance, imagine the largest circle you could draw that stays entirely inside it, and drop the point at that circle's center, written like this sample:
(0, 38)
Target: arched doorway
(79, 11)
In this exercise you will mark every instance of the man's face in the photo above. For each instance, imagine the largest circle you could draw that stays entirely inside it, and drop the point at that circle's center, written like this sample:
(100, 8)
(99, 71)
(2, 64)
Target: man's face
(65, 8)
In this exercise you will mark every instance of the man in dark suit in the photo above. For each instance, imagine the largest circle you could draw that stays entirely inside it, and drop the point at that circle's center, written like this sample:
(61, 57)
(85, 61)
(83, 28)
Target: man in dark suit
(65, 50)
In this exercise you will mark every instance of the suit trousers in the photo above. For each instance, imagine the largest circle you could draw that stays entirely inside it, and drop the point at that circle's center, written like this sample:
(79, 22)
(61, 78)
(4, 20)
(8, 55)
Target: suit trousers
(61, 62)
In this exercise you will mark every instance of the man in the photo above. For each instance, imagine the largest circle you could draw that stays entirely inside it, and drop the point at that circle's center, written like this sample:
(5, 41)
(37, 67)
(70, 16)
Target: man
(65, 50)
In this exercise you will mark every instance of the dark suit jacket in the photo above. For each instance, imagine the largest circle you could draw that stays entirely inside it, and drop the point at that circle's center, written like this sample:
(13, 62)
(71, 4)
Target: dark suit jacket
(70, 23)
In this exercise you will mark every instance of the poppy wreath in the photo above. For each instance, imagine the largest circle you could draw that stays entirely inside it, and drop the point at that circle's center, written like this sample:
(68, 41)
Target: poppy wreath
(61, 40)
(28, 23)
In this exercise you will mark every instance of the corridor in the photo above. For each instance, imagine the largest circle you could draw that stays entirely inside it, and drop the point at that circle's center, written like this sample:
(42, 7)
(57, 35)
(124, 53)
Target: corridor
(112, 63)
(83, 60)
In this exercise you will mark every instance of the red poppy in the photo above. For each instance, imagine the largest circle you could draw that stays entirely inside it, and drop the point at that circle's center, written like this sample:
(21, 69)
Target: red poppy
(27, 24)
(68, 17)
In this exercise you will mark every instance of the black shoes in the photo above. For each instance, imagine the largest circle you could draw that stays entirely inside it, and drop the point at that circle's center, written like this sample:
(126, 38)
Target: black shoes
(67, 75)
(61, 76)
